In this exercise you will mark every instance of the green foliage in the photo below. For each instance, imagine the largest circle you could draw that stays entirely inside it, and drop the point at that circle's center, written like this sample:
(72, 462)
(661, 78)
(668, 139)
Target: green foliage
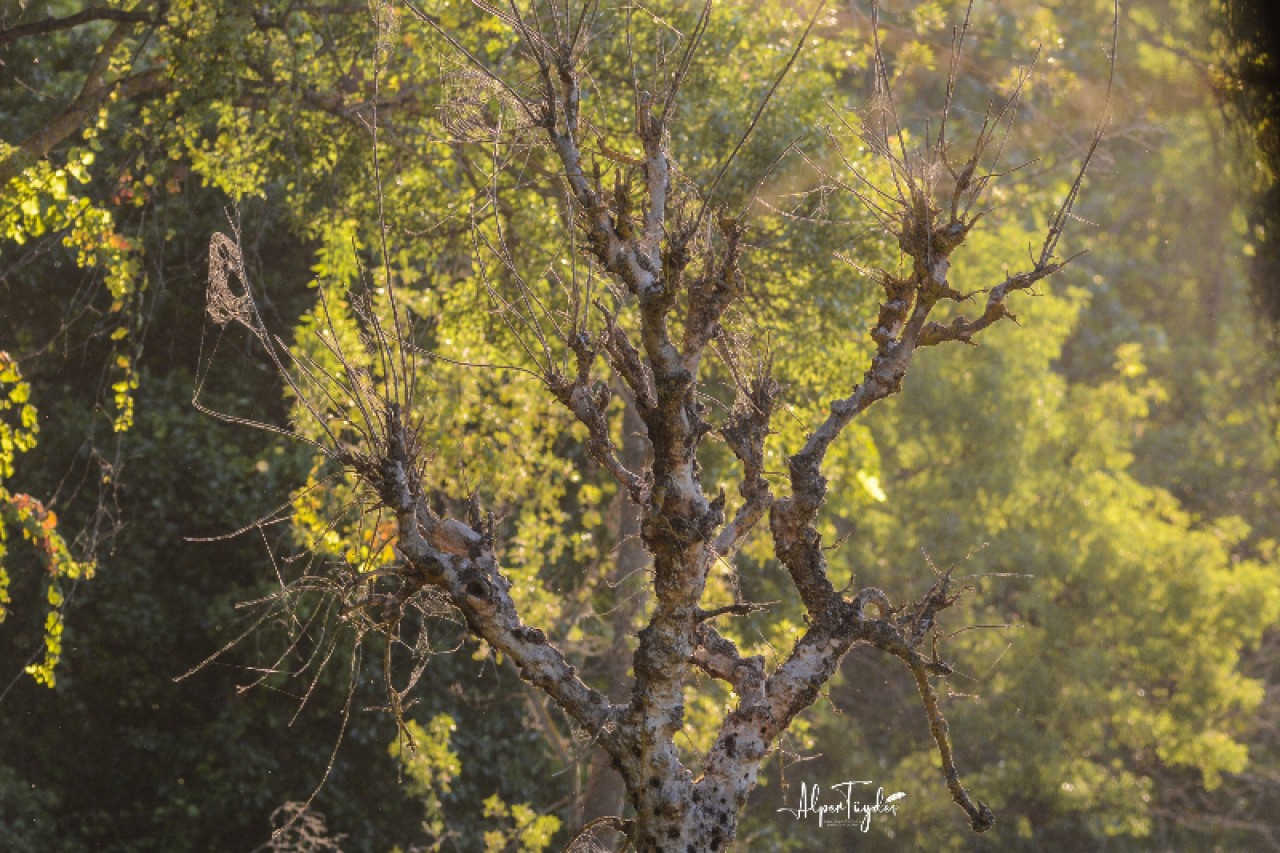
(524, 829)
(1116, 620)
(26, 819)
(1123, 644)
(18, 419)
(39, 526)
(1118, 448)
(40, 201)
(431, 765)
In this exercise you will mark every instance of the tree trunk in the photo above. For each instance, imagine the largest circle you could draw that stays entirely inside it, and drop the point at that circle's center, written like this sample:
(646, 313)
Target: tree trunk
(606, 791)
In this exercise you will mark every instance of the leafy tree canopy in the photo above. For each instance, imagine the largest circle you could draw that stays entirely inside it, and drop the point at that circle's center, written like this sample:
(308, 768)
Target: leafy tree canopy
(1099, 476)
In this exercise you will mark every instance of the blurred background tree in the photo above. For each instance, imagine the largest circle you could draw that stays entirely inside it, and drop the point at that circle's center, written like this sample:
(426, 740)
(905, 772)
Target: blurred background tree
(1106, 475)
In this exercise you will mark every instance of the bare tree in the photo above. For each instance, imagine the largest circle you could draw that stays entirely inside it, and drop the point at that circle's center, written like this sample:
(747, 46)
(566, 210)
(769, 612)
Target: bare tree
(670, 255)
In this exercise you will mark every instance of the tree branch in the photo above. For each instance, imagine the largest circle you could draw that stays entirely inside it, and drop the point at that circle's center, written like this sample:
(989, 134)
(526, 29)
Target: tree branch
(44, 26)
(93, 92)
(589, 403)
(475, 585)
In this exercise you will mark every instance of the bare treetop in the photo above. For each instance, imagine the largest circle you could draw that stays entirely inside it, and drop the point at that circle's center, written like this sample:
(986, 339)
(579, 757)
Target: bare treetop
(669, 256)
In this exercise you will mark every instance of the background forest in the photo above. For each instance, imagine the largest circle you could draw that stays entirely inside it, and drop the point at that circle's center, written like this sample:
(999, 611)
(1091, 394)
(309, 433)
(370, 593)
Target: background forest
(1103, 475)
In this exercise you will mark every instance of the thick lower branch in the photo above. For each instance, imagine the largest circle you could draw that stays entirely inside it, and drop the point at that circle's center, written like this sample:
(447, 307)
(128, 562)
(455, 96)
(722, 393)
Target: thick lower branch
(477, 588)
(38, 144)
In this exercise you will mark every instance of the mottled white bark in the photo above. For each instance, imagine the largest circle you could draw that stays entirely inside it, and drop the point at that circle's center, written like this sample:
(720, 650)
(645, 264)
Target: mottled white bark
(681, 270)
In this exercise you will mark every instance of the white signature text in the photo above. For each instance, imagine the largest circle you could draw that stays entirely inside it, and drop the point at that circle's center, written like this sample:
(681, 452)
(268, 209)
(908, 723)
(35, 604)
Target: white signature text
(843, 809)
